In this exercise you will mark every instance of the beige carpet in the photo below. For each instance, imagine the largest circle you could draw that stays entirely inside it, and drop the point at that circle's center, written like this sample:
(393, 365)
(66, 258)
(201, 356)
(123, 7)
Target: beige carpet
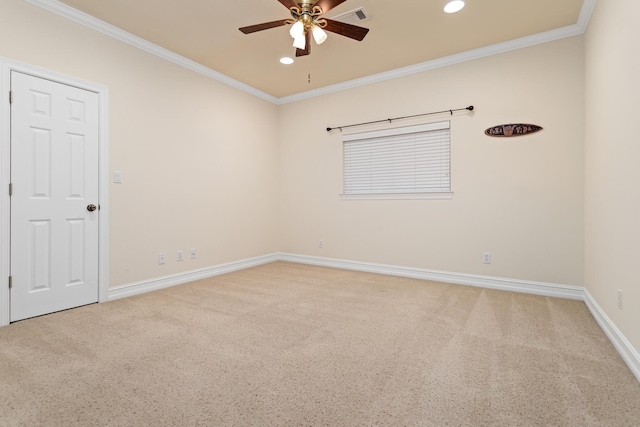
(292, 345)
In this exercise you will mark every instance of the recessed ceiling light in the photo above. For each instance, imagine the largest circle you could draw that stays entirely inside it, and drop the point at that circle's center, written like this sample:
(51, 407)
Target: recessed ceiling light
(454, 6)
(286, 60)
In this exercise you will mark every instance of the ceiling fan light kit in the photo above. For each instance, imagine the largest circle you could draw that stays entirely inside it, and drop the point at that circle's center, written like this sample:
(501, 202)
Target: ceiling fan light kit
(319, 35)
(297, 30)
(300, 42)
(306, 22)
(454, 6)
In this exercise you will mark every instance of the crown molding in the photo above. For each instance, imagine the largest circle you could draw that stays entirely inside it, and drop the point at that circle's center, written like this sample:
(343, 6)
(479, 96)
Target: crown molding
(446, 61)
(560, 33)
(89, 21)
(140, 43)
(585, 14)
(535, 39)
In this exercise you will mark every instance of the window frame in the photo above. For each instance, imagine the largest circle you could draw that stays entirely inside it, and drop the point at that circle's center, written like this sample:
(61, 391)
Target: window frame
(447, 193)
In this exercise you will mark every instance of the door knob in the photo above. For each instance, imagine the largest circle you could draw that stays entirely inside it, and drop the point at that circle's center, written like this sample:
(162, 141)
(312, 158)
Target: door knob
(92, 207)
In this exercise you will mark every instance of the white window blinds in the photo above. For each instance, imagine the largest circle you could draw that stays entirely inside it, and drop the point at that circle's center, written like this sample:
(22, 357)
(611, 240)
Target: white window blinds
(408, 162)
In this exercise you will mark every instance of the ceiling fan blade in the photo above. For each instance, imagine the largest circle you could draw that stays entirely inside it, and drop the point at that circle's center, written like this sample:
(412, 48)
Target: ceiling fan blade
(288, 3)
(307, 48)
(347, 30)
(264, 26)
(327, 5)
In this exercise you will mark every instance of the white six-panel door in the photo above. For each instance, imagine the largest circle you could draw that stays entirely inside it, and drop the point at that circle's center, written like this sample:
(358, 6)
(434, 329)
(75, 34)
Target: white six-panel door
(55, 178)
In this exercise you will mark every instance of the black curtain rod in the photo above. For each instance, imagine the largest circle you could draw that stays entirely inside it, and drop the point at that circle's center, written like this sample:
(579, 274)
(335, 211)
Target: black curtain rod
(470, 108)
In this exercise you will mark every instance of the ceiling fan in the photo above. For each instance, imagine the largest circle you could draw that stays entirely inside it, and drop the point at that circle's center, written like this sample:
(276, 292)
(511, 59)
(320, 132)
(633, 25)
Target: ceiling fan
(306, 21)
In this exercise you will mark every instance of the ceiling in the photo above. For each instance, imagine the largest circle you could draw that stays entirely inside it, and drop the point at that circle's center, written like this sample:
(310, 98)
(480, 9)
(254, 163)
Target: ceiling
(402, 33)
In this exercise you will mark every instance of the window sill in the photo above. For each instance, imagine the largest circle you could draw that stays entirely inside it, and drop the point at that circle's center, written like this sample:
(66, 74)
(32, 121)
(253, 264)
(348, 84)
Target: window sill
(397, 196)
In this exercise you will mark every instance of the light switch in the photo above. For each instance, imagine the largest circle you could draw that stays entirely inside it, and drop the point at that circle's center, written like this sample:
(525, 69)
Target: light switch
(117, 177)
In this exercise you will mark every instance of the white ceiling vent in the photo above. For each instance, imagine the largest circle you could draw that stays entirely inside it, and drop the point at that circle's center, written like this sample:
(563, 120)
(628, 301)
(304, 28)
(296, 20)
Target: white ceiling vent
(353, 16)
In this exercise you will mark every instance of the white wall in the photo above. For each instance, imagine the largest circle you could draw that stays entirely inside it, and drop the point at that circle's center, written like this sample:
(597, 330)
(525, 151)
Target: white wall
(198, 157)
(612, 172)
(519, 198)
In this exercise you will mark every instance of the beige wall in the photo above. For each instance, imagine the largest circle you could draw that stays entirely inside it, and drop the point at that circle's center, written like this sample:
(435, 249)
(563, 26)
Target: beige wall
(612, 169)
(198, 157)
(197, 174)
(519, 198)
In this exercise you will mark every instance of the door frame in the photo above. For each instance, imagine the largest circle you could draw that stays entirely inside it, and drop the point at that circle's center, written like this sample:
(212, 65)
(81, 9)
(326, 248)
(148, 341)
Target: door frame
(6, 67)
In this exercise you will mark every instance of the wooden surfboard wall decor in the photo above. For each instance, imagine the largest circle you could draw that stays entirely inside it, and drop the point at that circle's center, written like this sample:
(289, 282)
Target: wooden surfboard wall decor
(513, 129)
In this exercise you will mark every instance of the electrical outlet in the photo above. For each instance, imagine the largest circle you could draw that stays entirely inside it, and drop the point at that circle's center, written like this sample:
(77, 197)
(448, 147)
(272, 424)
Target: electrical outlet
(162, 259)
(320, 244)
(620, 299)
(193, 253)
(179, 256)
(486, 257)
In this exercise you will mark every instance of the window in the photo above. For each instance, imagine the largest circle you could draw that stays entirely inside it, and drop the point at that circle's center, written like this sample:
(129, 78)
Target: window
(411, 162)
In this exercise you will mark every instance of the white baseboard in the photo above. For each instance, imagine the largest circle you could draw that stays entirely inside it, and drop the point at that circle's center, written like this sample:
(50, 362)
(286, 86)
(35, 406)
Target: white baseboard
(513, 285)
(619, 341)
(189, 276)
(529, 287)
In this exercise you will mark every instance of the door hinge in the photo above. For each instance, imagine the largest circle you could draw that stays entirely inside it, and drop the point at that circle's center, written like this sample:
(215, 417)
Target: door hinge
(10, 97)
(10, 189)
(10, 282)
